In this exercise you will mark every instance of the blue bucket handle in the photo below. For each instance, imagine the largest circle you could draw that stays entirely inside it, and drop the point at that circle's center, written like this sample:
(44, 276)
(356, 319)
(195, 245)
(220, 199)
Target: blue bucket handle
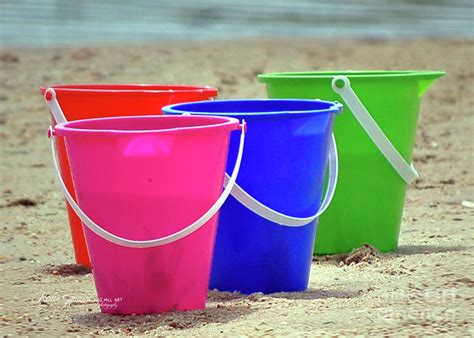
(272, 215)
(98, 230)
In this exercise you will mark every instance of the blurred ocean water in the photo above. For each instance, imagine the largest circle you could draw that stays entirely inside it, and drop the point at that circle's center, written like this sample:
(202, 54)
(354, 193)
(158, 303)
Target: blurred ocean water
(70, 22)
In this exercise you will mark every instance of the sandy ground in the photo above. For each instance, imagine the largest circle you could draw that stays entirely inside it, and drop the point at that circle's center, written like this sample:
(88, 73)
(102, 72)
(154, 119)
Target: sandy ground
(425, 287)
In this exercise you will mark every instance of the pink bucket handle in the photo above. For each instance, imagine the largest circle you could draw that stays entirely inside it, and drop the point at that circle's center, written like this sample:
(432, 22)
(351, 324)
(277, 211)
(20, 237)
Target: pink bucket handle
(97, 229)
(285, 220)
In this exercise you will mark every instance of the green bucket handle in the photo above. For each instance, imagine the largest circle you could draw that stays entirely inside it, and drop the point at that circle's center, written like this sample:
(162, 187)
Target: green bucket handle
(342, 86)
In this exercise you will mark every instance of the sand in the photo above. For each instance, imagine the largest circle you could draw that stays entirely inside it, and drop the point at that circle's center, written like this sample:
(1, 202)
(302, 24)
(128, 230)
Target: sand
(425, 287)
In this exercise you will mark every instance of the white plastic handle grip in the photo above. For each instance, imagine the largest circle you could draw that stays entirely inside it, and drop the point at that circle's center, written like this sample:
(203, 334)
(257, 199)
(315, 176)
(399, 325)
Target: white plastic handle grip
(87, 221)
(53, 104)
(272, 215)
(405, 170)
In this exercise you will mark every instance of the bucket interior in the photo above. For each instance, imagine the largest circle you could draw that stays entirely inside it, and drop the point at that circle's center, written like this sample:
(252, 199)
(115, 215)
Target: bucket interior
(254, 107)
(353, 74)
(127, 87)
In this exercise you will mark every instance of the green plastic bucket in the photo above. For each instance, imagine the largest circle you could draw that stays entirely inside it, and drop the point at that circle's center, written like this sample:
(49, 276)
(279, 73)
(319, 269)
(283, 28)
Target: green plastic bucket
(375, 137)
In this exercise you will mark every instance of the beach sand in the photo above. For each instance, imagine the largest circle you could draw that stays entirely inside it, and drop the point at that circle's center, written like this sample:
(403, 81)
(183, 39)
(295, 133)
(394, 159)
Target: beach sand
(425, 287)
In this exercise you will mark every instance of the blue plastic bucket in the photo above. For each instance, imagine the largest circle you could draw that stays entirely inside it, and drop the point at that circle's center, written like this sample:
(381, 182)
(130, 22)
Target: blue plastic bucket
(283, 167)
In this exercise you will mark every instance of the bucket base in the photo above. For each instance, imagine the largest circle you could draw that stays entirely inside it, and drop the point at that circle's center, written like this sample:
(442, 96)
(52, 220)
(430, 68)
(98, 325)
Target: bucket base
(259, 255)
(258, 290)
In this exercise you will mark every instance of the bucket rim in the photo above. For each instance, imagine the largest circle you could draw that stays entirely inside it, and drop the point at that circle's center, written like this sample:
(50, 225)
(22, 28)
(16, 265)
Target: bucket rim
(174, 109)
(129, 88)
(424, 74)
(68, 129)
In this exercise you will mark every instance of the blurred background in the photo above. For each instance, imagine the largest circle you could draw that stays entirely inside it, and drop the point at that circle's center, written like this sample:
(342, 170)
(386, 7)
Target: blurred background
(74, 22)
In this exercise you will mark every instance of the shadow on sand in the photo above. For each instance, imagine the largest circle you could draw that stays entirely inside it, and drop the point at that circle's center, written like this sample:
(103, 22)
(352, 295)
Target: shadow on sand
(309, 294)
(403, 250)
(174, 320)
(313, 294)
(408, 250)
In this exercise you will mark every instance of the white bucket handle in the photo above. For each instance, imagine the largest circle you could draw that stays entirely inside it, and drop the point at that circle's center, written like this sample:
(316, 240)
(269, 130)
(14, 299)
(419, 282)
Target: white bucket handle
(87, 221)
(405, 170)
(53, 104)
(272, 215)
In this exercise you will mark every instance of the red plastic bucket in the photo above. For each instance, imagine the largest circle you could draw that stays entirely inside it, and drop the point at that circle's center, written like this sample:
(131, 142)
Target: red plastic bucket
(85, 101)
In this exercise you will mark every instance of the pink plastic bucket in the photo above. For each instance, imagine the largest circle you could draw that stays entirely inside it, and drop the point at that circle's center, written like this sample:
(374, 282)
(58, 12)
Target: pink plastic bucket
(140, 183)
